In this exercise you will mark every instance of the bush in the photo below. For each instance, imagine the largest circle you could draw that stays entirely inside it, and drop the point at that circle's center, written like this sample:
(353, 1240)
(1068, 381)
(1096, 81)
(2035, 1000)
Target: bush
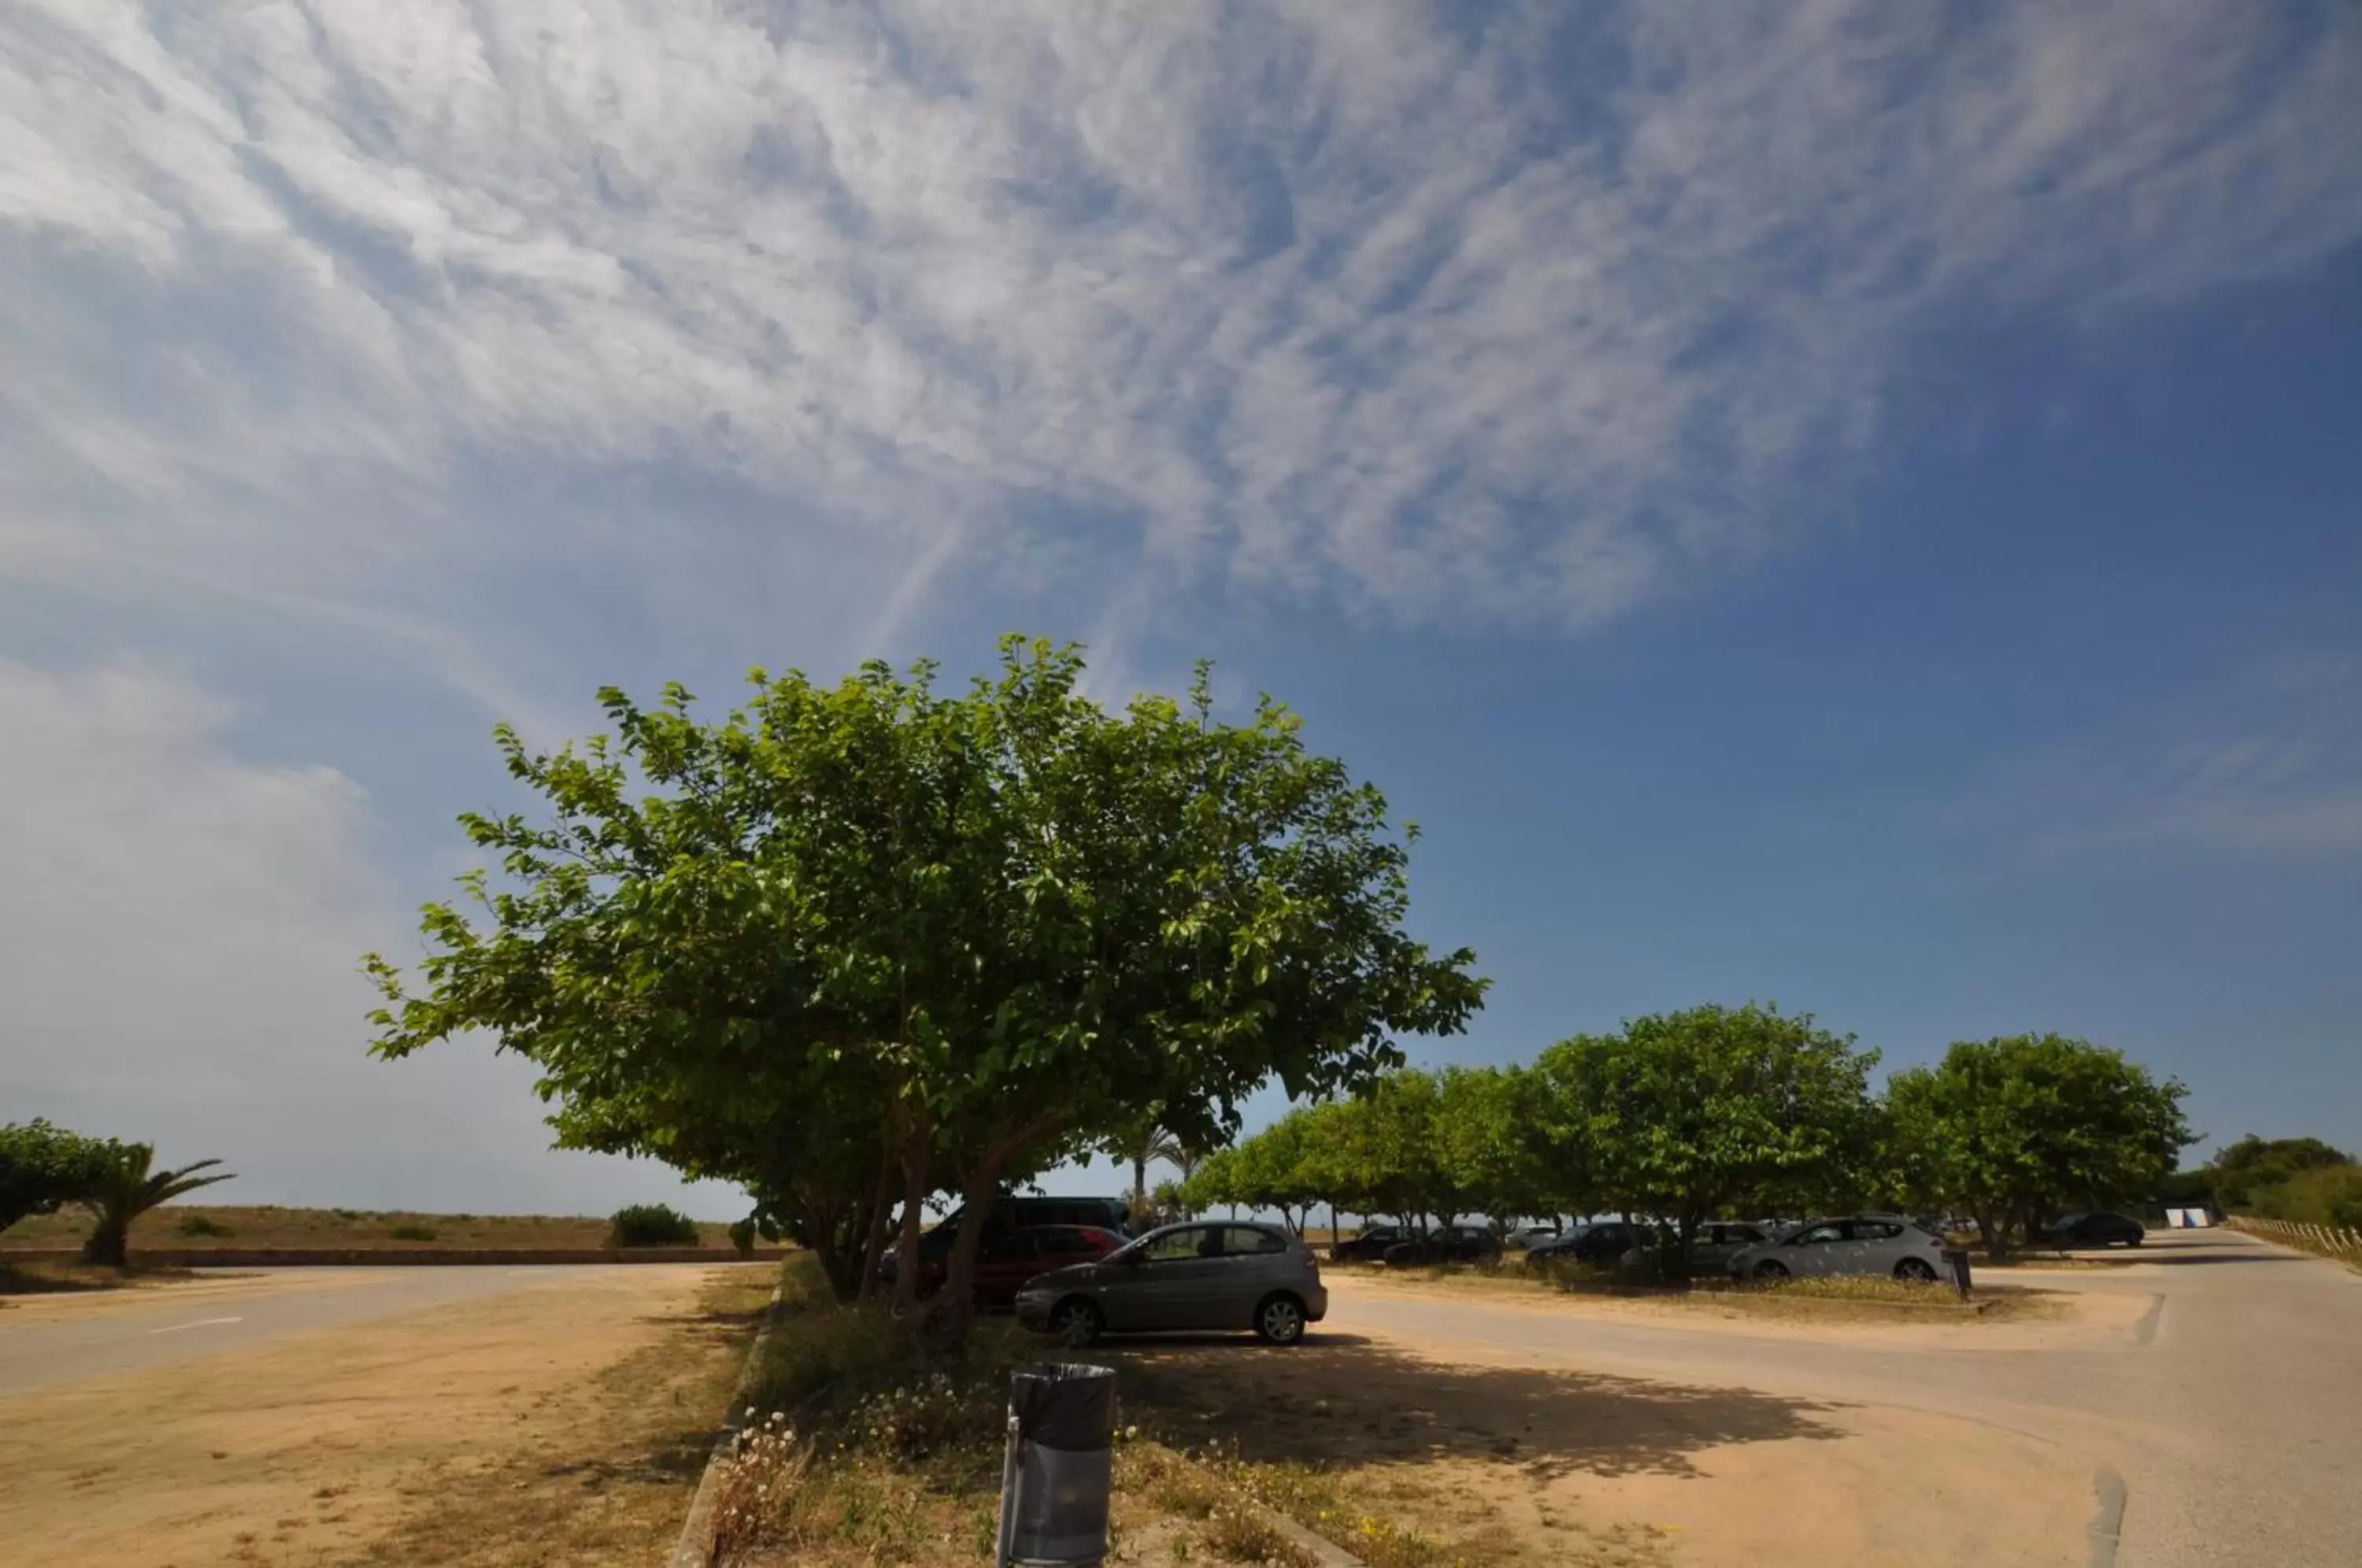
(412, 1233)
(202, 1225)
(741, 1236)
(651, 1225)
(2329, 1196)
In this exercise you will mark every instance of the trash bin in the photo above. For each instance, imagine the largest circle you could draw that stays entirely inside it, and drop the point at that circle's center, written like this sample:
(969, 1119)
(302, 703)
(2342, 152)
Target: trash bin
(1054, 1477)
(1955, 1259)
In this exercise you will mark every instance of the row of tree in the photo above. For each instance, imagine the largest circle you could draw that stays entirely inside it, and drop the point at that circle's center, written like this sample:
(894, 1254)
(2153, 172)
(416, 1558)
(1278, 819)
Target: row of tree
(44, 1169)
(2300, 1179)
(860, 947)
(1714, 1111)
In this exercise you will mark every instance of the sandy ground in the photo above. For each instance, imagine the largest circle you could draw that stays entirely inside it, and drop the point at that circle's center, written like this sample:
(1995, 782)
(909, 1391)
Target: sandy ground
(561, 1422)
(1529, 1459)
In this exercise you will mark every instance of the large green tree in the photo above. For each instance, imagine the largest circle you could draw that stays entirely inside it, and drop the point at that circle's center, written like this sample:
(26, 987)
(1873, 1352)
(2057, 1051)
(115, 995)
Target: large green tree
(2016, 1128)
(1486, 1144)
(44, 1168)
(2240, 1171)
(873, 938)
(1686, 1115)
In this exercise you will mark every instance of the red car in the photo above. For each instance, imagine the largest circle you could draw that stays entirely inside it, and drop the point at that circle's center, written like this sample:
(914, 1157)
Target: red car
(1012, 1257)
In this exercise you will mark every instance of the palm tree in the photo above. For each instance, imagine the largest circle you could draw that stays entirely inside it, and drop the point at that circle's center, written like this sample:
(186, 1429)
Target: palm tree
(125, 1189)
(1158, 1143)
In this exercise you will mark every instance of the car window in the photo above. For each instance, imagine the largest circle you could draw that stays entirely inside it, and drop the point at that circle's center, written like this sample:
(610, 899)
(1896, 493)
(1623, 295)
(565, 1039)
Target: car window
(1241, 1240)
(1063, 1244)
(1817, 1236)
(1741, 1235)
(1189, 1241)
(1017, 1248)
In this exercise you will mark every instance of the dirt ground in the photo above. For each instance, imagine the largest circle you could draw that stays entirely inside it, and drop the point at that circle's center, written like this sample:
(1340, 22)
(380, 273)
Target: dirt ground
(563, 1423)
(1515, 1464)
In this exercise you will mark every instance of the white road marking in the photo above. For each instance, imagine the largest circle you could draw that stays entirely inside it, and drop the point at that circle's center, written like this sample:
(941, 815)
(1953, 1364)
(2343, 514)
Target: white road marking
(200, 1323)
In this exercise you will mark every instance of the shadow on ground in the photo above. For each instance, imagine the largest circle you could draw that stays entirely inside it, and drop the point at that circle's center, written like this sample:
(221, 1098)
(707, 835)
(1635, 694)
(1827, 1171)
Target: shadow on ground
(1338, 1399)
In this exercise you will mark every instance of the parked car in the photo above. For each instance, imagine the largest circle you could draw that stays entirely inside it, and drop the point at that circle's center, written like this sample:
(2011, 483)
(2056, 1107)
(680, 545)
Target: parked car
(1007, 1259)
(1598, 1241)
(2093, 1230)
(1011, 1214)
(1520, 1237)
(1370, 1244)
(1453, 1243)
(1713, 1246)
(1202, 1274)
(1854, 1244)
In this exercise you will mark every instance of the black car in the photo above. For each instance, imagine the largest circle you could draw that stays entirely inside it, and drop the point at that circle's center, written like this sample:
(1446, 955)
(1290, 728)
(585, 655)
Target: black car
(1369, 1245)
(1601, 1242)
(2095, 1230)
(1453, 1243)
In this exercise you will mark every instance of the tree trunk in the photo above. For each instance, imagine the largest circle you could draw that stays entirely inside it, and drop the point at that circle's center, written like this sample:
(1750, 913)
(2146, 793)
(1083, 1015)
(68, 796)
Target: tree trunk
(914, 1199)
(882, 1210)
(109, 1245)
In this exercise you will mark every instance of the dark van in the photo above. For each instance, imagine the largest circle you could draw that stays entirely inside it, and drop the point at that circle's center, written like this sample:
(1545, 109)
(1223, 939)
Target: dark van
(1023, 1213)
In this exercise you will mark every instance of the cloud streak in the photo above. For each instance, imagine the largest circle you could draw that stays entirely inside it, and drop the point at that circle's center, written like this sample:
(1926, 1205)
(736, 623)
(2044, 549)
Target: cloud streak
(1530, 314)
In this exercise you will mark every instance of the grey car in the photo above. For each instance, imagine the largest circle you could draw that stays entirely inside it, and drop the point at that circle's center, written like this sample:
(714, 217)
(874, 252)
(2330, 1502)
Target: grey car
(1202, 1274)
(1855, 1243)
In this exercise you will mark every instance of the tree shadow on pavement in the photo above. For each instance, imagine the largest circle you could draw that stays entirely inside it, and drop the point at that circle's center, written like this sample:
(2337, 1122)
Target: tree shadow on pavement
(1342, 1401)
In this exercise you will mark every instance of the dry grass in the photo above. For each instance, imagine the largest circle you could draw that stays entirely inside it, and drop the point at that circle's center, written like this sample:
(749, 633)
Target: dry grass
(1857, 1298)
(866, 1452)
(269, 1226)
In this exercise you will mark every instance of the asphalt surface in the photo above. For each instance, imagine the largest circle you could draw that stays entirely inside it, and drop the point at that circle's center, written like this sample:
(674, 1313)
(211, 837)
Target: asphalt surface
(2225, 1428)
(38, 1348)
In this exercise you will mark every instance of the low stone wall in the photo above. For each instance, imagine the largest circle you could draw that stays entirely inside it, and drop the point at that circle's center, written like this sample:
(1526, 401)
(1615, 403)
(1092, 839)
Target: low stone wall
(381, 1257)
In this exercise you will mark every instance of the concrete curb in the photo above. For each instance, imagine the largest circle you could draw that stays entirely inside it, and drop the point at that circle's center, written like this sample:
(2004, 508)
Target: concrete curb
(1319, 1548)
(2106, 1530)
(695, 1547)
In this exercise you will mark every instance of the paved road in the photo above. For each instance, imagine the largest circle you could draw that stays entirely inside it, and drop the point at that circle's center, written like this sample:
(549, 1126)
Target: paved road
(2228, 1424)
(41, 1346)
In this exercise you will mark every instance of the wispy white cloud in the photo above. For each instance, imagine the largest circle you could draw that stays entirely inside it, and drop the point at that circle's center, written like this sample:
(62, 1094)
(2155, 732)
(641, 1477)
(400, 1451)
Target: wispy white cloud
(2266, 763)
(1533, 312)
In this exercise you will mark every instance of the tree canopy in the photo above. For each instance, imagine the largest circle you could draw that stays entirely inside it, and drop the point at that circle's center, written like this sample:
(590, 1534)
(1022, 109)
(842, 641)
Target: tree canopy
(2016, 1128)
(44, 1168)
(2241, 1171)
(870, 940)
(1687, 1115)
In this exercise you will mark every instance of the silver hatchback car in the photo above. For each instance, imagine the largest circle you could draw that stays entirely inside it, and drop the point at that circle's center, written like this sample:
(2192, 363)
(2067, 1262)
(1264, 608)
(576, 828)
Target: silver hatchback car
(1202, 1274)
(1858, 1243)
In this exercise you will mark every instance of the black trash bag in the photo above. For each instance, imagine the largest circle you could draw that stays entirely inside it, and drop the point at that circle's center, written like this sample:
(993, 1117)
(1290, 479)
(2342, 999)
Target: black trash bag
(1053, 1504)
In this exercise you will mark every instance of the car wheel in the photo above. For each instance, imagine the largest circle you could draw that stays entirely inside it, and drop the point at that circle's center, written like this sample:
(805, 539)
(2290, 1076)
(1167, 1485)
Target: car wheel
(1770, 1268)
(1077, 1322)
(2134, 1241)
(1280, 1320)
(1918, 1269)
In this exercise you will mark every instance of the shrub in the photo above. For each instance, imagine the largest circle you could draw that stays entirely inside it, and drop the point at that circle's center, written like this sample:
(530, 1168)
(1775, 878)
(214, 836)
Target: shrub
(202, 1225)
(651, 1225)
(741, 1236)
(412, 1232)
(2330, 1194)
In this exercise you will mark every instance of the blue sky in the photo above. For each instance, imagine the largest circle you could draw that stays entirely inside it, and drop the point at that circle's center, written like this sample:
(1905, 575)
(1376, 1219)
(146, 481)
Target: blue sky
(1858, 505)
